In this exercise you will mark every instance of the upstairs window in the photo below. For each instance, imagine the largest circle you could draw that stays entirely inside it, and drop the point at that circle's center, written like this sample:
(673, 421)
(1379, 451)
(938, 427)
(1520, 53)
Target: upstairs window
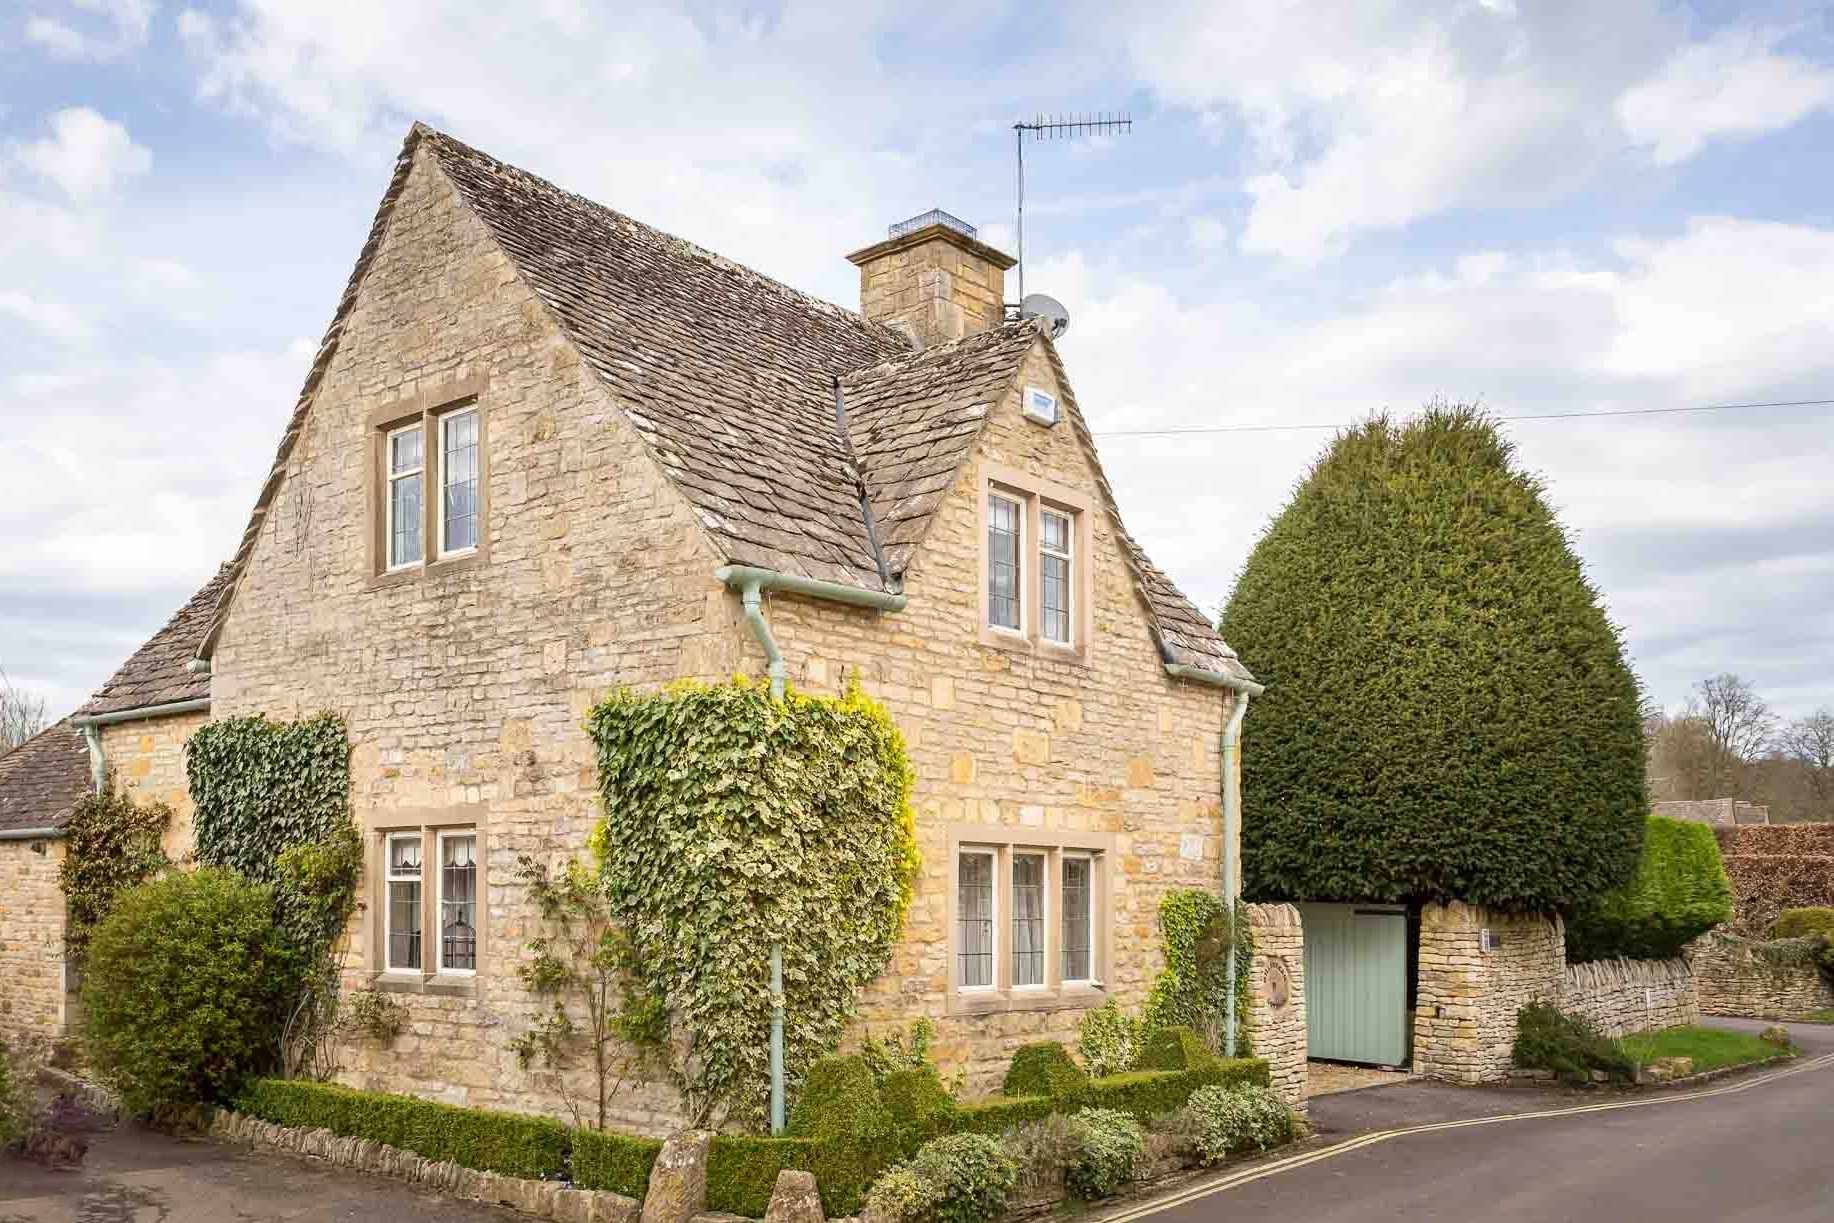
(406, 475)
(458, 507)
(1054, 547)
(1003, 531)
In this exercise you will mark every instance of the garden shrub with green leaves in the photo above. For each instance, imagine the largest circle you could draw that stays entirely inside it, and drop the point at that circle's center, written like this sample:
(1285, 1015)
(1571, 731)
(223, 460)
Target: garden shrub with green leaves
(1798, 923)
(1547, 1038)
(1449, 714)
(915, 1096)
(1174, 1048)
(885, 1055)
(1108, 1039)
(903, 1195)
(184, 987)
(1044, 1149)
(1680, 892)
(1227, 1120)
(19, 1111)
(971, 1176)
(1043, 1068)
(510, 1143)
(111, 843)
(1111, 1143)
(605, 1159)
(735, 822)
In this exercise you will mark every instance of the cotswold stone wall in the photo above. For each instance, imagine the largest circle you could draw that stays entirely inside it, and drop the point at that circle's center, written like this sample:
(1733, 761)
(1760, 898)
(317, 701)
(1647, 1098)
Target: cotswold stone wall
(1734, 979)
(1277, 1009)
(147, 758)
(1625, 996)
(31, 940)
(464, 687)
(1465, 1014)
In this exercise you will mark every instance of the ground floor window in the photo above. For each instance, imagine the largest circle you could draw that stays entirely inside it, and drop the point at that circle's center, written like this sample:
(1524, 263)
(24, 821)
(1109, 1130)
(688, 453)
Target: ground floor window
(1027, 920)
(430, 881)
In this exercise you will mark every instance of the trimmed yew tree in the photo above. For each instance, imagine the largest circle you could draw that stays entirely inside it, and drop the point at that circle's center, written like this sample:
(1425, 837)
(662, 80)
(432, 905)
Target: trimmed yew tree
(1449, 715)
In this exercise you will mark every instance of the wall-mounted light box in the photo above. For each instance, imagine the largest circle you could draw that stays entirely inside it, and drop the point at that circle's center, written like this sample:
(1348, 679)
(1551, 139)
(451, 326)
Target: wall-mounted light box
(1039, 405)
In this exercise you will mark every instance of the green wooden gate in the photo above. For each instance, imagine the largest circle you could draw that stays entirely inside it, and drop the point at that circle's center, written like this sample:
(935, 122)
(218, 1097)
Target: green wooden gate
(1356, 982)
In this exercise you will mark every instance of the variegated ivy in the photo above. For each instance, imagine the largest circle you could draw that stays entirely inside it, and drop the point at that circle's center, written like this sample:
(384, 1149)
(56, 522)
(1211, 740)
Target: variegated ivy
(734, 822)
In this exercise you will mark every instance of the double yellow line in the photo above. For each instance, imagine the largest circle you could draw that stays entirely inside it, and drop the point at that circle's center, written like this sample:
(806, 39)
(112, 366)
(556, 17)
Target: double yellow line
(1222, 1184)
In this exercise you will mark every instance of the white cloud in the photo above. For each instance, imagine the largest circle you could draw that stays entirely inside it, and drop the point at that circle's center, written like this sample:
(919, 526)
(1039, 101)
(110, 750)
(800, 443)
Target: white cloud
(113, 28)
(87, 154)
(55, 319)
(1733, 84)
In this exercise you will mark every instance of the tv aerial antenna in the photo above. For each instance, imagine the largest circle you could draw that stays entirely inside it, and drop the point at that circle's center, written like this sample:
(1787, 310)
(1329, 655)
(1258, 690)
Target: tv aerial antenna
(1057, 127)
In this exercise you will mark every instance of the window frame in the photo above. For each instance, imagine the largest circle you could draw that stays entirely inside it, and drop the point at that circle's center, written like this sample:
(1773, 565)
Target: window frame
(440, 837)
(389, 880)
(390, 477)
(431, 828)
(957, 977)
(441, 422)
(1055, 845)
(1044, 917)
(427, 411)
(1094, 978)
(1036, 497)
(1020, 568)
(1068, 557)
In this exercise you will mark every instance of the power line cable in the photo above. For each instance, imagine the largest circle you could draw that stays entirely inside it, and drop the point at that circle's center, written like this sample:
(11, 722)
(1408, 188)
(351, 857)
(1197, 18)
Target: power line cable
(1711, 407)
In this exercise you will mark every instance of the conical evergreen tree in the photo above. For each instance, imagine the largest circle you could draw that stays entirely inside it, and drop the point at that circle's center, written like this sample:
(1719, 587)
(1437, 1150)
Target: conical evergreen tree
(1449, 715)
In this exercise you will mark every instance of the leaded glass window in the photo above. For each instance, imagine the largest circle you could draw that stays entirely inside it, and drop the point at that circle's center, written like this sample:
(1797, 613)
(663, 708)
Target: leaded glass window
(974, 918)
(1054, 574)
(1028, 919)
(458, 903)
(406, 475)
(458, 434)
(1002, 562)
(404, 901)
(1078, 951)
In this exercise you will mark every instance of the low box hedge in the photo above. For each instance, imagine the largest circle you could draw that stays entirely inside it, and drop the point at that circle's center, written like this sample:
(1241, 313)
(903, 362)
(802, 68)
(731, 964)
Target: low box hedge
(1145, 1094)
(618, 1162)
(742, 1171)
(997, 1114)
(515, 1145)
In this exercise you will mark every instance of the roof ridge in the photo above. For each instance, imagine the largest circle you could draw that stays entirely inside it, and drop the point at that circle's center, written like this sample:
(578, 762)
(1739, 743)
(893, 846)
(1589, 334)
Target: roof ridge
(684, 245)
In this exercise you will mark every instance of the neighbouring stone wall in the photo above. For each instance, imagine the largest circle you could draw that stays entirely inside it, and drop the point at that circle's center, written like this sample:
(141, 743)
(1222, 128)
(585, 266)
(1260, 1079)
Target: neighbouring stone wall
(147, 758)
(1734, 979)
(1624, 996)
(1277, 1007)
(1720, 812)
(32, 998)
(1465, 1012)
(465, 688)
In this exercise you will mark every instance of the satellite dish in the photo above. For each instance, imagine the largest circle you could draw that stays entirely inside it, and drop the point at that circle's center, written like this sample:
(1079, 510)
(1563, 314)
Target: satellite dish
(1048, 311)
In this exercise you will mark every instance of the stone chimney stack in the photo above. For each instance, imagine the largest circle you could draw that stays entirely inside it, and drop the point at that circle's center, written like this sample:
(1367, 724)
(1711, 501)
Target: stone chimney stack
(933, 279)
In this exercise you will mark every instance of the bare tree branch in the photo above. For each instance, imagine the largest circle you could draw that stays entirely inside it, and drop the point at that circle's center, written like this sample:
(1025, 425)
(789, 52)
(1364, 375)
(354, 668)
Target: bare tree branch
(1738, 724)
(1810, 743)
(22, 715)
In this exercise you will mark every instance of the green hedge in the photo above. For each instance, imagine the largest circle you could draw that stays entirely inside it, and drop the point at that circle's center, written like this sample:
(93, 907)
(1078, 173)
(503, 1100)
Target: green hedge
(996, 1114)
(1798, 923)
(618, 1162)
(742, 1171)
(1680, 891)
(1174, 1048)
(510, 1143)
(1043, 1068)
(1144, 1094)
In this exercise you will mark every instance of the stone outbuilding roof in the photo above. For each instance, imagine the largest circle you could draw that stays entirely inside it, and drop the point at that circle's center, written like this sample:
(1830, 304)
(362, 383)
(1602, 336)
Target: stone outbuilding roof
(731, 379)
(156, 674)
(43, 778)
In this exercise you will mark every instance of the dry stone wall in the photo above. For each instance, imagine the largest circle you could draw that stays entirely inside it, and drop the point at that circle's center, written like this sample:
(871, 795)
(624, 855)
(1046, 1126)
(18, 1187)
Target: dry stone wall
(1277, 998)
(465, 687)
(1734, 979)
(1465, 1015)
(32, 999)
(1624, 996)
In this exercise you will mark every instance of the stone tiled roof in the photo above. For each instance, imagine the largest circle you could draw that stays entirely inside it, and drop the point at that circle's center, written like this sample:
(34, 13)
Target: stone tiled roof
(730, 378)
(42, 779)
(156, 674)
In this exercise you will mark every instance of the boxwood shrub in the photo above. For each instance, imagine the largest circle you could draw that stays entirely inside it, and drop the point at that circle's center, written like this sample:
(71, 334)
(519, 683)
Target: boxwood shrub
(1144, 1094)
(1043, 1068)
(510, 1143)
(1174, 1048)
(619, 1162)
(742, 1171)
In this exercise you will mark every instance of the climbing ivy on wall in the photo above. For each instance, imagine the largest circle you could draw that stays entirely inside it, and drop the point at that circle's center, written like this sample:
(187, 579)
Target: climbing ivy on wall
(111, 843)
(272, 802)
(734, 822)
(1196, 934)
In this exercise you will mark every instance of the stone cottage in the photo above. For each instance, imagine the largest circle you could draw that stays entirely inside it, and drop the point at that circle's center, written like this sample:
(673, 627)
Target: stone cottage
(545, 450)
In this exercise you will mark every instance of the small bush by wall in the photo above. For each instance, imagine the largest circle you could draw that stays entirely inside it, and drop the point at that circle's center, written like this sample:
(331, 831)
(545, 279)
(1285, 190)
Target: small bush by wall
(182, 991)
(510, 1143)
(1043, 1068)
(1549, 1039)
(1797, 923)
(1174, 1048)
(1679, 892)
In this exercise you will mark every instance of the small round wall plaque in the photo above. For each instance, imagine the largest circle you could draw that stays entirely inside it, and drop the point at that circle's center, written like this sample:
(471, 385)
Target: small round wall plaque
(1279, 983)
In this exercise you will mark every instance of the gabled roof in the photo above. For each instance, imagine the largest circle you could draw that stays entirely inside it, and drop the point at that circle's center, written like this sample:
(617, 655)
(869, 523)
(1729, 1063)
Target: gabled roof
(730, 379)
(43, 778)
(156, 674)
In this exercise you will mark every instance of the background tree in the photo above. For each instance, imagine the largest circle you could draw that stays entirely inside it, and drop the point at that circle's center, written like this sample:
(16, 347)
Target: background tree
(22, 715)
(1738, 726)
(1809, 743)
(1448, 713)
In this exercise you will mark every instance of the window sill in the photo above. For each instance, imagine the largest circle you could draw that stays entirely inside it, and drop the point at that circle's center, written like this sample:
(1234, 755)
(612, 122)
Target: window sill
(1073, 997)
(456, 563)
(437, 985)
(1014, 642)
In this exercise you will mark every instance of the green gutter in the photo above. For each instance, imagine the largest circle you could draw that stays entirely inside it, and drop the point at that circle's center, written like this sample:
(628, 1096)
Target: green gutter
(1232, 803)
(30, 834)
(752, 582)
(92, 737)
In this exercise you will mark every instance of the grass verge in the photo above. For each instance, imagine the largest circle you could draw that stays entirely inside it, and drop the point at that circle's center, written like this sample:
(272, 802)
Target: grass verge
(1711, 1048)
(1816, 1017)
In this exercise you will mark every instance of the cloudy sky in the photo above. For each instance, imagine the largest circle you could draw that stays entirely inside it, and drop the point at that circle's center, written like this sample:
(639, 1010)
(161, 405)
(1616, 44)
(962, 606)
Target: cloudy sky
(1323, 210)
